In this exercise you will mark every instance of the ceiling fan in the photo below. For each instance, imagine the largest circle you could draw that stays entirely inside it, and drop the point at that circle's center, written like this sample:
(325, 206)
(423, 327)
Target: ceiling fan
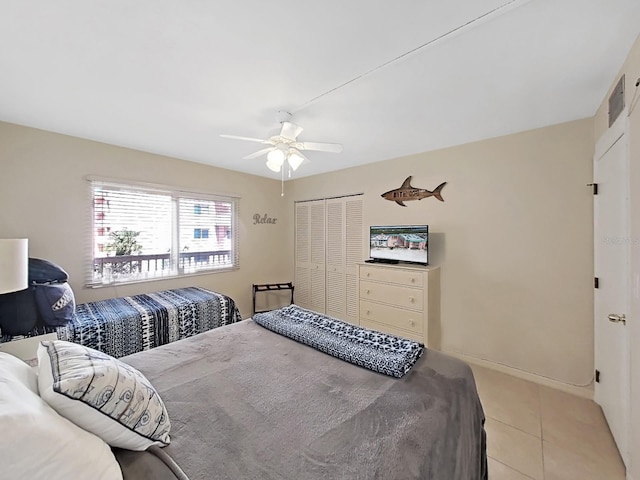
(285, 145)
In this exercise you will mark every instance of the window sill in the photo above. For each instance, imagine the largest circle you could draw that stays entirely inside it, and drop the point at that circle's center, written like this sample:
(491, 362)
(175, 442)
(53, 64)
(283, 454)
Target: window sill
(160, 278)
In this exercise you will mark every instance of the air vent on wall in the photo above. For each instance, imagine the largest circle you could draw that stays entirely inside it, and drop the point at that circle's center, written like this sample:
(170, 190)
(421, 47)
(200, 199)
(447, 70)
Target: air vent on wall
(616, 101)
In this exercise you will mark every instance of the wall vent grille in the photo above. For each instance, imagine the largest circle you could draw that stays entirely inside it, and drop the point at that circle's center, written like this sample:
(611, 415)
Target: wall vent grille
(616, 101)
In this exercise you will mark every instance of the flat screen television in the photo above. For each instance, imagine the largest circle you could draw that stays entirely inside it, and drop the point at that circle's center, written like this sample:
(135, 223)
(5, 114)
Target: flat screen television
(399, 243)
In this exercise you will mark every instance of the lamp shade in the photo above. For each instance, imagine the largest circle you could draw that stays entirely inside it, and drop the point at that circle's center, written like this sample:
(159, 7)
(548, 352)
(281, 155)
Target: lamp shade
(14, 264)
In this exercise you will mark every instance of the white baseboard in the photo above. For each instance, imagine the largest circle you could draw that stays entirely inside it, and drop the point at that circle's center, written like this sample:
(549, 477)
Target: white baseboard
(585, 392)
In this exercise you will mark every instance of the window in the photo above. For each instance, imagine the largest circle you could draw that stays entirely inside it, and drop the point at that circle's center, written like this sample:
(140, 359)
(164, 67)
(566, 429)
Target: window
(142, 232)
(198, 209)
(200, 233)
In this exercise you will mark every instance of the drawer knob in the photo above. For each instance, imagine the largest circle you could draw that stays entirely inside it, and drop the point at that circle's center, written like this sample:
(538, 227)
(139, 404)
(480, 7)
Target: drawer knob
(368, 312)
(412, 300)
(412, 323)
(413, 280)
(367, 291)
(368, 274)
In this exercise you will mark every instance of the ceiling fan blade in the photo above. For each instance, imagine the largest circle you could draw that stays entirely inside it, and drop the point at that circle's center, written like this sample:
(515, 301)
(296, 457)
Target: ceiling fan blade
(251, 139)
(290, 130)
(258, 153)
(320, 147)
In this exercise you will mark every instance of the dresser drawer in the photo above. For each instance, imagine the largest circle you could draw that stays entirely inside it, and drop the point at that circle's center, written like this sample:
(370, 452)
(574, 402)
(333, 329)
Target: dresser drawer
(391, 275)
(392, 294)
(392, 330)
(392, 316)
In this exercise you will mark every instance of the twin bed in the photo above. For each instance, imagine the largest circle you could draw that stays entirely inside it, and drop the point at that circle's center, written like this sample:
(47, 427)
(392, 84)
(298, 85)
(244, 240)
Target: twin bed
(125, 325)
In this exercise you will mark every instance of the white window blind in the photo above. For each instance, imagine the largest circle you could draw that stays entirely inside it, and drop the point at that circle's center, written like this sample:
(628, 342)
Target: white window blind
(142, 233)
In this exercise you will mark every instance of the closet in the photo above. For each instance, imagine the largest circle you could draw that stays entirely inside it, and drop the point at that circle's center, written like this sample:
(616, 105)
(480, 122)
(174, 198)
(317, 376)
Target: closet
(329, 243)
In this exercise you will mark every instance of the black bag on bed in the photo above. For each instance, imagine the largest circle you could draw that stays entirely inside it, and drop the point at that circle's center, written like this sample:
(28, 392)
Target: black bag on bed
(54, 298)
(44, 271)
(49, 300)
(18, 312)
(56, 303)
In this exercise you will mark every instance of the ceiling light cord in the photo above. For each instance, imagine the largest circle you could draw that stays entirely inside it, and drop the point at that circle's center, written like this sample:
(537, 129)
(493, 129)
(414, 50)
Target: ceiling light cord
(399, 57)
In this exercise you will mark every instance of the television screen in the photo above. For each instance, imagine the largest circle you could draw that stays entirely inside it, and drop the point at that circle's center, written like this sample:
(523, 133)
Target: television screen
(399, 243)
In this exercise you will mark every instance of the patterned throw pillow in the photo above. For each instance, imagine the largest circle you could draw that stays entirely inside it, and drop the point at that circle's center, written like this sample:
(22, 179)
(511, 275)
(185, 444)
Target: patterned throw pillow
(102, 395)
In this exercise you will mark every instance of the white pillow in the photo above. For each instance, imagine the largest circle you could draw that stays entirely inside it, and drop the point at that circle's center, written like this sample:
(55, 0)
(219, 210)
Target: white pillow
(36, 442)
(17, 370)
(102, 395)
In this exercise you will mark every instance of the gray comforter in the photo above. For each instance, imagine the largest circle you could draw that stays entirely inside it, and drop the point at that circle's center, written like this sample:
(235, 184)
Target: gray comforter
(247, 403)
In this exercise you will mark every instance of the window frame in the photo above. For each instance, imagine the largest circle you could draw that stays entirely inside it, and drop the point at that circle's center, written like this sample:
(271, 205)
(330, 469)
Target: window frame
(92, 280)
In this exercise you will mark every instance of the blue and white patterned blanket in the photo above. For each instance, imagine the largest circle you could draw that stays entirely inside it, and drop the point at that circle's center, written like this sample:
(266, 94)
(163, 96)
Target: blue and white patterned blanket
(377, 351)
(125, 325)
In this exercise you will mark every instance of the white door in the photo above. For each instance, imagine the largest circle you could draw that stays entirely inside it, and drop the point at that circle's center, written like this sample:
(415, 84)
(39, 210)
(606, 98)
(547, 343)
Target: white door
(310, 255)
(354, 245)
(336, 239)
(612, 268)
(344, 251)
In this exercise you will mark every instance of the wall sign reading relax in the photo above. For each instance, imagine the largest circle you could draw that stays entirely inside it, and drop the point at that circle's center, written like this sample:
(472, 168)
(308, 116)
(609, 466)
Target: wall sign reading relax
(257, 218)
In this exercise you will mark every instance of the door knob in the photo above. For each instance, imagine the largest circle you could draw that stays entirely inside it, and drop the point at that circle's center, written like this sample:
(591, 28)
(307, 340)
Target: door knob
(618, 318)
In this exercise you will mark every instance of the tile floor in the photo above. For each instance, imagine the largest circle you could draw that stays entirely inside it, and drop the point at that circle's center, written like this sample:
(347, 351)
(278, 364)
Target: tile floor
(536, 432)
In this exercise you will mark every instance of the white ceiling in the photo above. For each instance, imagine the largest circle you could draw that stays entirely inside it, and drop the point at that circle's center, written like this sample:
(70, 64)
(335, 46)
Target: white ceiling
(383, 78)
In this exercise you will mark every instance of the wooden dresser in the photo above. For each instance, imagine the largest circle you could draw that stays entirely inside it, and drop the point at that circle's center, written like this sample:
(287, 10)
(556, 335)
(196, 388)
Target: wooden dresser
(403, 300)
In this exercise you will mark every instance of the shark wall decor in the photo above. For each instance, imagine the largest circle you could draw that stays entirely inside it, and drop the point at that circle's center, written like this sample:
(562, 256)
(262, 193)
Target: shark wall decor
(406, 192)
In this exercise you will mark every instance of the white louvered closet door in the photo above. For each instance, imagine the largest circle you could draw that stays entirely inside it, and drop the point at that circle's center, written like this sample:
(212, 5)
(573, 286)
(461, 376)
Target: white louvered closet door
(310, 255)
(336, 280)
(302, 276)
(329, 244)
(354, 245)
(344, 251)
(318, 256)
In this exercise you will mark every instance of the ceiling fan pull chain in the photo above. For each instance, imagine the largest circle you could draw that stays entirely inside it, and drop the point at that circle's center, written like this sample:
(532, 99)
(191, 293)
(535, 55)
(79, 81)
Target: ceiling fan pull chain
(282, 182)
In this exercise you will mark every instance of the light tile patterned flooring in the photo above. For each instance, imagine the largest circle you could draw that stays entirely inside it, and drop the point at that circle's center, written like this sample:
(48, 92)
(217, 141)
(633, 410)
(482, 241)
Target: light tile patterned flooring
(540, 433)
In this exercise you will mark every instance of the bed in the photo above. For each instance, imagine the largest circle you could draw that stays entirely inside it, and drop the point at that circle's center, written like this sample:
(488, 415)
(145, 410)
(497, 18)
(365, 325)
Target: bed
(248, 403)
(125, 325)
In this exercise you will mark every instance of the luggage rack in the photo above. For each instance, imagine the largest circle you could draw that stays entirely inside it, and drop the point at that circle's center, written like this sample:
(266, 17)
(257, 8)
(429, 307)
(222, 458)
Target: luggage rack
(267, 287)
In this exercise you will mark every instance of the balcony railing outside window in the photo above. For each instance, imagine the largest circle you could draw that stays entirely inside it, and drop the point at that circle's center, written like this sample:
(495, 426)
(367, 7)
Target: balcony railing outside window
(136, 228)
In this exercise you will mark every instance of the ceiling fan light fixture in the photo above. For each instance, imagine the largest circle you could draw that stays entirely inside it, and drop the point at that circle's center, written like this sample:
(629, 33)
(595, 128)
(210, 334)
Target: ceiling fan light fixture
(275, 162)
(294, 159)
(286, 147)
(276, 155)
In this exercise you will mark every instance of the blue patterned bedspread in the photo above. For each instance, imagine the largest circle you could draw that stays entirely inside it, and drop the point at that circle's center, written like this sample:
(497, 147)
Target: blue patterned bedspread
(377, 351)
(126, 325)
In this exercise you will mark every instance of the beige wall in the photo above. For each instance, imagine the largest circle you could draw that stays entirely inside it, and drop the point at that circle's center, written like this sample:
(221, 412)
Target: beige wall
(631, 70)
(45, 198)
(513, 237)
